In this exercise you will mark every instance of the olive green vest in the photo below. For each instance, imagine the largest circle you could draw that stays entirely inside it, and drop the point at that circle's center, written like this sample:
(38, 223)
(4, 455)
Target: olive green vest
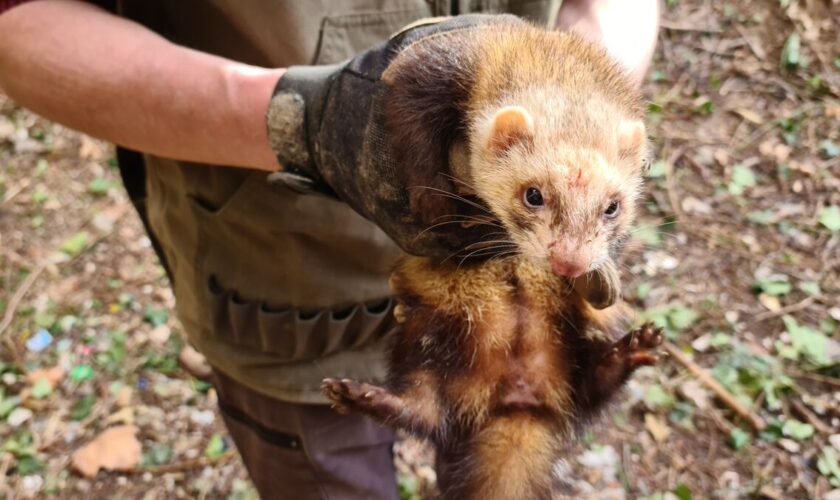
(277, 289)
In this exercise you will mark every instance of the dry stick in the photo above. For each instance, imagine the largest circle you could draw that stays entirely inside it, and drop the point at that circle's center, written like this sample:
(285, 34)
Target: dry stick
(816, 377)
(11, 308)
(803, 411)
(802, 304)
(706, 379)
(183, 465)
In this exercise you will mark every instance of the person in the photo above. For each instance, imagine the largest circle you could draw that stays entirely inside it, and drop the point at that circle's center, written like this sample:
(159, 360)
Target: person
(278, 287)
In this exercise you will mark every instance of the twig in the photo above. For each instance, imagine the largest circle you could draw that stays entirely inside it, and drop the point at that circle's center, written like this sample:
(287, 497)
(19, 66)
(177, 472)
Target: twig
(11, 308)
(687, 27)
(183, 465)
(802, 304)
(813, 376)
(706, 379)
(670, 184)
(803, 411)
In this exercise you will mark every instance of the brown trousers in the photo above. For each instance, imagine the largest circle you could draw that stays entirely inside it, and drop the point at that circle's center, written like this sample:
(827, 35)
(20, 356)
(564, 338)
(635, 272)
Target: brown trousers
(301, 452)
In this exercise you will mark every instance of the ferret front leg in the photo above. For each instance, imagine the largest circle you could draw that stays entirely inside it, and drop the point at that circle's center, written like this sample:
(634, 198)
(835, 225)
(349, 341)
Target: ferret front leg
(397, 411)
(632, 351)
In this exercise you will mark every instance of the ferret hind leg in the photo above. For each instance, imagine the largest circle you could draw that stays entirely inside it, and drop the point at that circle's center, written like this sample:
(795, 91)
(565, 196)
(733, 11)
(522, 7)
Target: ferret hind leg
(414, 411)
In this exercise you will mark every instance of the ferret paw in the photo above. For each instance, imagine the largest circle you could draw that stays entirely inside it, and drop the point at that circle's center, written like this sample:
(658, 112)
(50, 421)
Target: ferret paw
(637, 347)
(349, 395)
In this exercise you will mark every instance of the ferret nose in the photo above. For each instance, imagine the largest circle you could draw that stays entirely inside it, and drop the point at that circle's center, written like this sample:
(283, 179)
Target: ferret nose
(567, 259)
(570, 269)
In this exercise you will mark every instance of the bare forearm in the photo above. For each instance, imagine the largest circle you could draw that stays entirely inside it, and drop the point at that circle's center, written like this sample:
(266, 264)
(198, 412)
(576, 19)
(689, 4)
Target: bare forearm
(114, 79)
(627, 28)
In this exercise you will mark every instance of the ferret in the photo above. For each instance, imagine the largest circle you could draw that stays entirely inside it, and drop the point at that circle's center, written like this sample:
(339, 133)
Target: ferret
(499, 362)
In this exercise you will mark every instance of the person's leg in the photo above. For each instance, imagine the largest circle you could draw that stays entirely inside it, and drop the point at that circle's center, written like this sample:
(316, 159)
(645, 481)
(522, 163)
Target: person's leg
(306, 451)
(627, 28)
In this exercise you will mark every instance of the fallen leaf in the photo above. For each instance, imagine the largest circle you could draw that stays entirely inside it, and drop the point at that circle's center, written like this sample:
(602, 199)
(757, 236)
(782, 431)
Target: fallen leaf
(116, 448)
(750, 115)
(123, 416)
(657, 427)
(771, 302)
(52, 375)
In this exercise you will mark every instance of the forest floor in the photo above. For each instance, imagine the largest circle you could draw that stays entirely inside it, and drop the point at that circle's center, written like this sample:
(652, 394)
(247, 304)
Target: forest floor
(737, 255)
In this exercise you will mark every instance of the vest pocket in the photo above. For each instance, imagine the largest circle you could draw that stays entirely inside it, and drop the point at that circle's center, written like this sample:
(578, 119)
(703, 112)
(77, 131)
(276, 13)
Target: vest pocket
(345, 35)
(292, 334)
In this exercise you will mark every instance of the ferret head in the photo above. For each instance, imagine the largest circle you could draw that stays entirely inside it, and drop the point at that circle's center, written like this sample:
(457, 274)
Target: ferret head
(563, 180)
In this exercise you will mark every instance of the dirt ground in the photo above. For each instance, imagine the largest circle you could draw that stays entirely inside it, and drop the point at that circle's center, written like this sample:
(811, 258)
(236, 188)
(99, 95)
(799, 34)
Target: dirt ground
(737, 255)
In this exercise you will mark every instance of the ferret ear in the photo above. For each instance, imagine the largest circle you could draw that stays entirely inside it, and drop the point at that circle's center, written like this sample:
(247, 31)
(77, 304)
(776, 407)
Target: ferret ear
(631, 135)
(511, 125)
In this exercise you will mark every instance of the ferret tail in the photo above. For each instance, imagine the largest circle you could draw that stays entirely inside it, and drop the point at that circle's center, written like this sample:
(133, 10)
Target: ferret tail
(511, 458)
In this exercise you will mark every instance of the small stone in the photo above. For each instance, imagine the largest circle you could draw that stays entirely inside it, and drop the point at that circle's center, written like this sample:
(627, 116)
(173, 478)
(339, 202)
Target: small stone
(834, 439)
(160, 335)
(32, 484)
(203, 418)
(18, 416)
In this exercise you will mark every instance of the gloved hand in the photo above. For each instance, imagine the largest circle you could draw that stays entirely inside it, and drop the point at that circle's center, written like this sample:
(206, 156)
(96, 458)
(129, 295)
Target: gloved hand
(327, 126)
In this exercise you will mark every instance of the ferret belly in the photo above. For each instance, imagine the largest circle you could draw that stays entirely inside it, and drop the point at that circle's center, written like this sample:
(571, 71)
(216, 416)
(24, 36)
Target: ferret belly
(518, 363)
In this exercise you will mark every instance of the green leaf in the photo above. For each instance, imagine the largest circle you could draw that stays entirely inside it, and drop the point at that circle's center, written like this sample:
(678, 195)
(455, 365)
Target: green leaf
(159, 454)
(762, 217)
(790, 53)
(215, 447)
(99, 187)
(742, 176)
(657, 169)
(75, 244)
(407, 487)
(657, 397)
(648, 235)
(810, 287)
(827, 464)
(82, 407)
(738, 438)
(41, 389)
(682, 492)
(774, 285)
(29, 465)
(81, 373)
(45, 320)
(40, 196)
(643, 290)
(807, 341)
(682, 317)
(797, 430)
(830, 218)
(829, 149)
(156, 316)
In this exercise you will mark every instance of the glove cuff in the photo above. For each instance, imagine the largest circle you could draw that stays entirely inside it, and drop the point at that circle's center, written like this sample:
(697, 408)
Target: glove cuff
(294, 120)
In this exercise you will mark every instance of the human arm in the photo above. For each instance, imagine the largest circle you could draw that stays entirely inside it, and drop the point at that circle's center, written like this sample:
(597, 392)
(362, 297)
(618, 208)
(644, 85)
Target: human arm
(87, 69)
(627, 28)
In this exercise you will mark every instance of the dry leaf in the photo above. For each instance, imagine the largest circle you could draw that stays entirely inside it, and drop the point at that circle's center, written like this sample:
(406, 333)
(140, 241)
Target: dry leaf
(657, 427)
(695, 392)
(52, 375)
(750, 115)
(116, 448)
(124, 416)
(770, 302)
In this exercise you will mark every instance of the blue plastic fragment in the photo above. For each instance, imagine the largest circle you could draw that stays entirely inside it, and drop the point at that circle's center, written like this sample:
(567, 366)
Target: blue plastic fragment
(40, 341)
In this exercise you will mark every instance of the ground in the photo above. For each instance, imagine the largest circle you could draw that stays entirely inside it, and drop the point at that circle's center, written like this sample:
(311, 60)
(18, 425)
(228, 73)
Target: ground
(737, 255)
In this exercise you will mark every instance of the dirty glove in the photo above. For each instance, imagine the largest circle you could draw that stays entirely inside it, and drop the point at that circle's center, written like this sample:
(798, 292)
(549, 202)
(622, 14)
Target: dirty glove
(327, 126)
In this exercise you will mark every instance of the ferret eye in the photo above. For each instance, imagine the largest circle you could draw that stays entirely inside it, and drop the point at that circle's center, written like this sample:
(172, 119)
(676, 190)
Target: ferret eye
(612, 209)
(533, 198)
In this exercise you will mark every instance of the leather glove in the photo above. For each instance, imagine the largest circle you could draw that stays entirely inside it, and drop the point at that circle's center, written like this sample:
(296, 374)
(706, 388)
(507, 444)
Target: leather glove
(327, 126)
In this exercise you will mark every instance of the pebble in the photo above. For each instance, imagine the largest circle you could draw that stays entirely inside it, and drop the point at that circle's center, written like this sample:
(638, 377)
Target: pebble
(18, 416)
(834, 439)
(32, 484)
(160, 335)
(204, 417)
